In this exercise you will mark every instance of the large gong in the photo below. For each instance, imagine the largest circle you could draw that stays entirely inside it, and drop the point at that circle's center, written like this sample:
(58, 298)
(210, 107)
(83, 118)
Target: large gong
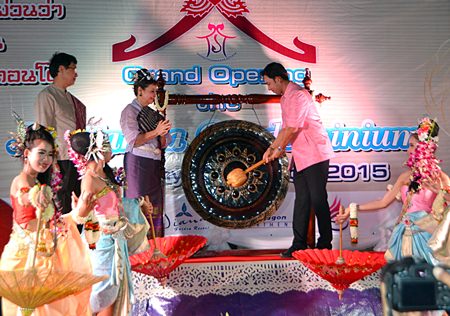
(216, 151)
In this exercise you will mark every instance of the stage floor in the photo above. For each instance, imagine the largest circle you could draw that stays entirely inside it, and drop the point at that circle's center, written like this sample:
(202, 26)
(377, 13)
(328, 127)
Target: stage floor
(251, 282)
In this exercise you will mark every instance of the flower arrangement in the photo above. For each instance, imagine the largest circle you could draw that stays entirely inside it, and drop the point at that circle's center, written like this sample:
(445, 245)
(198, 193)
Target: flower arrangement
(92, 230)
(354, 223)
(423, 162)
(166, 102)
(35, 194)
(79, 161)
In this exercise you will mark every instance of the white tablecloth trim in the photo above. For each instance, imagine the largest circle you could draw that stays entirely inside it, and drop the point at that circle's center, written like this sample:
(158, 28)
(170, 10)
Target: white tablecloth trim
(226, 278)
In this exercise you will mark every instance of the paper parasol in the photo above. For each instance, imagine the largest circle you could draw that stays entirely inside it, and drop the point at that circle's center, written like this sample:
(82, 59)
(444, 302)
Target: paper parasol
(175, 248)
(33, 288)
(357, 265)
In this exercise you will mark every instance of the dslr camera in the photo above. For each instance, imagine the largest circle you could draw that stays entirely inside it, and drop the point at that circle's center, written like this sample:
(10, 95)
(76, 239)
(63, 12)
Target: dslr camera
(411, 286)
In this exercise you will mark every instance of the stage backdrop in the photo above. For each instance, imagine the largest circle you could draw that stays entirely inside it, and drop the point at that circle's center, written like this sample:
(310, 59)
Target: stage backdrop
(384, 63)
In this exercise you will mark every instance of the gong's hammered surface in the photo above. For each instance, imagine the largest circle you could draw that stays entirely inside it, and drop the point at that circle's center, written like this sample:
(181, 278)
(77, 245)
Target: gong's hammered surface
(216, 151)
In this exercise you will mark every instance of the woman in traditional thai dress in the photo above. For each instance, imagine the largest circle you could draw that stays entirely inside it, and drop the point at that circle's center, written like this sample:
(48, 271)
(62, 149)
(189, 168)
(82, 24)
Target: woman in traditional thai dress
(408, 238)
(105, 226)
(142, 160)
(36, 146)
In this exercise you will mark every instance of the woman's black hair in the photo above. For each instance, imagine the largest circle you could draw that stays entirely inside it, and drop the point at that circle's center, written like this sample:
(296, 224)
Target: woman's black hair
(142, 78)
(435, 130)
(38, 132)
(80, 143)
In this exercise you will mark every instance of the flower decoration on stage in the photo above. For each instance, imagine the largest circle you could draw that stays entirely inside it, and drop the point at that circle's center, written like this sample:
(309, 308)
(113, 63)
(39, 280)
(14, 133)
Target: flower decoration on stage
(354, 222)
(98, 145)
(423, 162)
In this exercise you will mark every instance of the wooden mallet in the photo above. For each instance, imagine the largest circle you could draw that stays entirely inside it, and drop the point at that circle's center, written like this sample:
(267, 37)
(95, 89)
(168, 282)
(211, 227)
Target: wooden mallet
(237, 177)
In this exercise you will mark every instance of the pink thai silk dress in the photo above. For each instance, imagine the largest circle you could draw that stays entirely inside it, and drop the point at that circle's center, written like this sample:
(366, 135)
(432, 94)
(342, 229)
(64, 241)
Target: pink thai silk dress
(71, 254)
(407, 238)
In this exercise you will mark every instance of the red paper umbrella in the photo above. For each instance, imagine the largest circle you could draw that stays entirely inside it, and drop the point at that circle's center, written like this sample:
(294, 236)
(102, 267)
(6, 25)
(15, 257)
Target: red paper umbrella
(175, 250)
(328, 264)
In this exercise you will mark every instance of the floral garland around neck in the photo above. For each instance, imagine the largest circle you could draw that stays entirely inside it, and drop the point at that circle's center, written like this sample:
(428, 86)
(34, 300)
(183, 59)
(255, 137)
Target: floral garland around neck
(423, 162)
(166, 102)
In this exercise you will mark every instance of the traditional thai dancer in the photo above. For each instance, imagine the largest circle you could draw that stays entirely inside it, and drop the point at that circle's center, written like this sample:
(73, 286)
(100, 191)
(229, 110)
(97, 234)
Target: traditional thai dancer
(60, 247)
(105, 226)
(408, 238)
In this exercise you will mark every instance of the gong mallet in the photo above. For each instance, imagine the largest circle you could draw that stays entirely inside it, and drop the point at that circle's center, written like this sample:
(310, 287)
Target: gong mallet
(340, 259)
(237, 177)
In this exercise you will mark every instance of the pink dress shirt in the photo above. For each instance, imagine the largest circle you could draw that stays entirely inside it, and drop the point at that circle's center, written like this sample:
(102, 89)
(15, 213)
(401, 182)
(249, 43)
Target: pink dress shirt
(311, 144)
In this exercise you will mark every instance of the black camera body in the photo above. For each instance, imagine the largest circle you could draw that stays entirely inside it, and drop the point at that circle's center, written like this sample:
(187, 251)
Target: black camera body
(411, 286)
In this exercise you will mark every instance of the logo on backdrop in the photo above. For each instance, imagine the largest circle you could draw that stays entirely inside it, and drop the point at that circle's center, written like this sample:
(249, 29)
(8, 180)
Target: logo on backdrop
(216, 43)
(186, 221)
(196, 10)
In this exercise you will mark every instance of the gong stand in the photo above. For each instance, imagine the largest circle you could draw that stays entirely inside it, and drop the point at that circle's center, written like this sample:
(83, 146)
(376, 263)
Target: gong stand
(181, 99)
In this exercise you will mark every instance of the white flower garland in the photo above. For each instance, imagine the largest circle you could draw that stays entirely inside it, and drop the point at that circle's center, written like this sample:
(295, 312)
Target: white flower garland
(166, 102)
(92, 230)
(354, 222)
(33, 196)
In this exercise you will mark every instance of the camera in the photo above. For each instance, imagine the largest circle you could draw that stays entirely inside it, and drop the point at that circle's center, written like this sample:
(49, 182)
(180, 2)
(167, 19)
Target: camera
(411, 286)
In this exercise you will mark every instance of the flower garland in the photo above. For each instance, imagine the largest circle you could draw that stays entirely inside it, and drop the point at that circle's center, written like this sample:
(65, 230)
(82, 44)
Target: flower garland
(166, 102)
(34, 194)
(78, 160)
(423, 162)
(99, 143)
(92, 230)
(354, 222)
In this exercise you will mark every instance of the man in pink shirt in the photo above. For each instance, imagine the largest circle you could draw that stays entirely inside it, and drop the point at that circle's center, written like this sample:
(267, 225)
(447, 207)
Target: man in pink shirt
(311, 153)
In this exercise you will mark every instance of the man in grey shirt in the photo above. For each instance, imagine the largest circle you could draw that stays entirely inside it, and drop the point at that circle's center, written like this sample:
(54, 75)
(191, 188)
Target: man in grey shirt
(58, 108)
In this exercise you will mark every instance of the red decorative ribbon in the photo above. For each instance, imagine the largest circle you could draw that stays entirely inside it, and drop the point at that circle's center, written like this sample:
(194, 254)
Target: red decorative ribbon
(233, 11)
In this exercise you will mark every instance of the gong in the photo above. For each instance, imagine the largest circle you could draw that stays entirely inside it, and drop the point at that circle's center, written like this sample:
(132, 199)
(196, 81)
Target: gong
(216, 151)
